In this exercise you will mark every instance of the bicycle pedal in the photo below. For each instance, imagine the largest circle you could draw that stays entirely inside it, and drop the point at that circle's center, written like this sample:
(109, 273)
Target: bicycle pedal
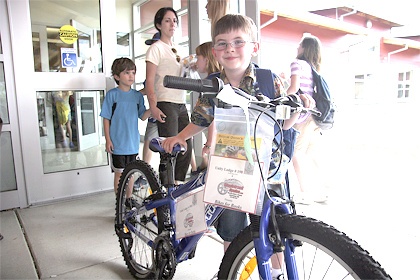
(122, 231)
(297, 243)
(192, 253)
(278, 248)
(156, 196)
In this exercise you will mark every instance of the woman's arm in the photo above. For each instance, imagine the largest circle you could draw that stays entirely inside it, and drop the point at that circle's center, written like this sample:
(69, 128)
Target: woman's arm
(150, 91)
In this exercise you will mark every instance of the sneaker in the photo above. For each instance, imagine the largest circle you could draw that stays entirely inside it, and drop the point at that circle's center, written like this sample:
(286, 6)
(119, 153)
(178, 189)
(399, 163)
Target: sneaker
(302, 199)
(192, 173)
(198, 171)
(278, 277)
(322, 198)
(132, 203)
(71, 145)
(195, 173)
(141, 181)
(210, 230)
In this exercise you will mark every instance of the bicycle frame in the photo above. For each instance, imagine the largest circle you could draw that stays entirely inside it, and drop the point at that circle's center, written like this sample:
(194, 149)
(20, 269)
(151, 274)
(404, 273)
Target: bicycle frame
(277, 232)
(264, 248)
(184, 246)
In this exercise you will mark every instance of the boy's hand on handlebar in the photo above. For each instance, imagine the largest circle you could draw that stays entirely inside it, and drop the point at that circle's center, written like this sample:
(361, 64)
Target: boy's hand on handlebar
(169, 143)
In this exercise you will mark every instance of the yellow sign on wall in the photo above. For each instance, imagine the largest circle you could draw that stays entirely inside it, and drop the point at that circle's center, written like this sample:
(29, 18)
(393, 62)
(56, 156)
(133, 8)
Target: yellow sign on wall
(68, 34)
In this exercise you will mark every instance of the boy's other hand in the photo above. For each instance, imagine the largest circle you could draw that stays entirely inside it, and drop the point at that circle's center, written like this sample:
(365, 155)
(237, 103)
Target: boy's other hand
(109, 147)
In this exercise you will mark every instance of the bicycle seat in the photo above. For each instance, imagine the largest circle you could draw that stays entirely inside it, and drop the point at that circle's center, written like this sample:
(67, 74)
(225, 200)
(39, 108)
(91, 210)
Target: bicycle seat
(155, 146)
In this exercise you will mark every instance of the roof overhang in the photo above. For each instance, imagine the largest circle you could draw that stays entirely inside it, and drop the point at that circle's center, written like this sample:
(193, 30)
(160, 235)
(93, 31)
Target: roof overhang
(368, 15)
(321, 21)
(402, 42)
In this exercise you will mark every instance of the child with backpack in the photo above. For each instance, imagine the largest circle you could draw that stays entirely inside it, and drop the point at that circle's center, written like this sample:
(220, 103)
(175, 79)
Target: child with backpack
(302, 80)
(122, 108)
(234, 45)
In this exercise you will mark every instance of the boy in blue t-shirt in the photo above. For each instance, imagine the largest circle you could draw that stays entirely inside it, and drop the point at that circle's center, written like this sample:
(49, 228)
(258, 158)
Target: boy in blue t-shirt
(124, 106)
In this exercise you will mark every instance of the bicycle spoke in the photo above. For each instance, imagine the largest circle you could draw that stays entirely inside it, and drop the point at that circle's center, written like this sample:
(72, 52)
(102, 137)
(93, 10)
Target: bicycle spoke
(136, 184)
(320, 252)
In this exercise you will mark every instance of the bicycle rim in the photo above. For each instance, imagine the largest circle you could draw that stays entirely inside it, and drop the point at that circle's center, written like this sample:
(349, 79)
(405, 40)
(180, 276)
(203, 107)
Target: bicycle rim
(138, 255)
(325, 253)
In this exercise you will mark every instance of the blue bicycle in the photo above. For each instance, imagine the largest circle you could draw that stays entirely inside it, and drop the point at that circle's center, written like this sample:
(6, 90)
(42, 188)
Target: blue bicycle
(304, 247)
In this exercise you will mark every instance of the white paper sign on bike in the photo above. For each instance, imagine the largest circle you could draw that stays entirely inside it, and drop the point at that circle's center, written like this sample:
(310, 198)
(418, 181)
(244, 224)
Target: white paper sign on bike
(189, 214)
(233, 183)
(241, 142)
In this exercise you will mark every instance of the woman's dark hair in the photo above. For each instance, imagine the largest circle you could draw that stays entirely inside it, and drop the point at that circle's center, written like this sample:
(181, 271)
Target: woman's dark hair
(160, 14)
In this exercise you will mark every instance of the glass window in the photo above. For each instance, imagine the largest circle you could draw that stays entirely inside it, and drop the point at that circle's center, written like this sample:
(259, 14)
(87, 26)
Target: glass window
(66, 36)
(403, 85)
(7, 170)
(7, 164)
(36, 45)
(4, 111)
(70, 132)
(144, 12)
(123, 44)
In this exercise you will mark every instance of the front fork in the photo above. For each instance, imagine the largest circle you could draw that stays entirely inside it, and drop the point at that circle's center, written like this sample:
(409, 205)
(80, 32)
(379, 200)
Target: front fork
(264, 247)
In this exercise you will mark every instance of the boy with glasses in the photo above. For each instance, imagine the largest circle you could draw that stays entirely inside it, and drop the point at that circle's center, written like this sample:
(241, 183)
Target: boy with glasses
(234, 44)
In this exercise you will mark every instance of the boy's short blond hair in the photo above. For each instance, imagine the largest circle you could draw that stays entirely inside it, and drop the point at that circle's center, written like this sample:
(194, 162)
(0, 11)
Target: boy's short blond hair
(231, 22)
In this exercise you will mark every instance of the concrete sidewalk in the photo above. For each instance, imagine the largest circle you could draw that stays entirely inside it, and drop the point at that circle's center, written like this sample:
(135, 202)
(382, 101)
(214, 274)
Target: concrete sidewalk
(76, 240)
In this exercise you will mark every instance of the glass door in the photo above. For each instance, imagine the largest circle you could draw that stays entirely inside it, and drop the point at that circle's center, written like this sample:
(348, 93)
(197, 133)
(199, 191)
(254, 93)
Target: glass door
(12, 192)
(87, 110)
(88, 51)
(68, 80)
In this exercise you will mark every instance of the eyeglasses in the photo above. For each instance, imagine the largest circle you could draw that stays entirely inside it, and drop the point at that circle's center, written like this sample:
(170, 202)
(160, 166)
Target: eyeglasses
(220, 46)
(178, 58)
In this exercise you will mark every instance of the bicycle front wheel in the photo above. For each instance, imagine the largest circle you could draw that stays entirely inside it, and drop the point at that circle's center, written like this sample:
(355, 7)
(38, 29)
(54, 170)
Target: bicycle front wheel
(323, 253)
(137, 182)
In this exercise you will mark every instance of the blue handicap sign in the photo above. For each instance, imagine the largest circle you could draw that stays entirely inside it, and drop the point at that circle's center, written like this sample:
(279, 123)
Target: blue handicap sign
(68, 59)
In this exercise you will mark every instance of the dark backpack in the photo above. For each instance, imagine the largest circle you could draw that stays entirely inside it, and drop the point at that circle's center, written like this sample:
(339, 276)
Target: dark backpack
(265, 84)
(323, 100)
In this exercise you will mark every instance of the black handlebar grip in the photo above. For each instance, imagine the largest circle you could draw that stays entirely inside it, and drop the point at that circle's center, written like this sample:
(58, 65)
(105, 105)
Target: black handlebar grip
(215, 85)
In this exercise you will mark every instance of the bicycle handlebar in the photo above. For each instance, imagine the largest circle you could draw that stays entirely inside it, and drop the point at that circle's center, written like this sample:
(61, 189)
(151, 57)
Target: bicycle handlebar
(215, 85)
(212, 87)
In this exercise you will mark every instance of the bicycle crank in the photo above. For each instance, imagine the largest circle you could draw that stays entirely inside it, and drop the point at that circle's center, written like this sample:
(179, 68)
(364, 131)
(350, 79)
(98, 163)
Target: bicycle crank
(164, 258)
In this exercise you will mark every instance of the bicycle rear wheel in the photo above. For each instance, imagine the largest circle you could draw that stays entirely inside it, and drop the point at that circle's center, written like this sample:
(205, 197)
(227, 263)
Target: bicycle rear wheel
(137, 182)
(326, 253)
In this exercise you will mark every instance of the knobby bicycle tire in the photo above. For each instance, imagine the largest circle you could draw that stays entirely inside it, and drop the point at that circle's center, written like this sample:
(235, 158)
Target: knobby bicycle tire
(138, 256)
(326, 253)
